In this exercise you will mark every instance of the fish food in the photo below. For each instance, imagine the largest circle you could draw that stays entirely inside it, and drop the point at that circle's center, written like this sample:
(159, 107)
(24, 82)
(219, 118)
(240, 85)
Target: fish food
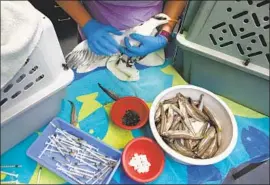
(131, 118)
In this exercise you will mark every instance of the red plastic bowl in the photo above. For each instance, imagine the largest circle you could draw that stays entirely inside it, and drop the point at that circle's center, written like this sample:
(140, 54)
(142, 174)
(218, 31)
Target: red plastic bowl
(120, 107)
(155, 156)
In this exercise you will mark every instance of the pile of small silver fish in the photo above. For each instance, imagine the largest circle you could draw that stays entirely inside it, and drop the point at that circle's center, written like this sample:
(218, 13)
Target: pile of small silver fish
(188, 127)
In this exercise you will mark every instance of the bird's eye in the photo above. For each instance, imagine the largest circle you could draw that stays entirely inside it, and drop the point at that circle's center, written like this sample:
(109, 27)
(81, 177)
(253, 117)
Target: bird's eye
(160, 18)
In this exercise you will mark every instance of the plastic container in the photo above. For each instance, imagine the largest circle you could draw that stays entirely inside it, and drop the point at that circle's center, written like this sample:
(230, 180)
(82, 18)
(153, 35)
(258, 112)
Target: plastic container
(33, 97)
(223, 46)
(218, 108)
(37, 147)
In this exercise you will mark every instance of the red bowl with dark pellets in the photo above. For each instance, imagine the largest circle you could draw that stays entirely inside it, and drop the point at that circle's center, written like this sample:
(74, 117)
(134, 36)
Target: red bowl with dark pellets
(124, 104)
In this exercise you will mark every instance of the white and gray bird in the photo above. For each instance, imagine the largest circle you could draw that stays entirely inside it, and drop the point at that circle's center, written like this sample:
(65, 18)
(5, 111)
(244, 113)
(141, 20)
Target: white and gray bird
(84, 60)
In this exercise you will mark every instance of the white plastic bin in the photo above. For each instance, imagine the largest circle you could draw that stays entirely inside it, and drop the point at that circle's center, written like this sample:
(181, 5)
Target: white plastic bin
(223, 46)
(33, 97)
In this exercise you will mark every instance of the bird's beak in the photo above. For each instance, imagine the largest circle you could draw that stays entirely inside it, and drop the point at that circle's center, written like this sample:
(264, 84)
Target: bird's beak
(162, 18)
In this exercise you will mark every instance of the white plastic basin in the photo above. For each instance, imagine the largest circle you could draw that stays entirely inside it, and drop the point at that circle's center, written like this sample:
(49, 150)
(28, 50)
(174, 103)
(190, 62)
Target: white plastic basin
(218, 108)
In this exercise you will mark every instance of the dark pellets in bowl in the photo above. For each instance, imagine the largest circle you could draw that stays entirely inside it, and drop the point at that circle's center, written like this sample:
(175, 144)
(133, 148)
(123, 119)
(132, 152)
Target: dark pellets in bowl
(131, 118)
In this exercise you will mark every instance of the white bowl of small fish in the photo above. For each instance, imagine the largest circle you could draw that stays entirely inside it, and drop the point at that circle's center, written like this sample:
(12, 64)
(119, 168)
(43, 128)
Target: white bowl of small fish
(193, 125)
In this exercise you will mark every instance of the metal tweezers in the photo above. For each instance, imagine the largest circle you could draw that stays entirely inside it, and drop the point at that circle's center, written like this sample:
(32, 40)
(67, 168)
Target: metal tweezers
(125, 59)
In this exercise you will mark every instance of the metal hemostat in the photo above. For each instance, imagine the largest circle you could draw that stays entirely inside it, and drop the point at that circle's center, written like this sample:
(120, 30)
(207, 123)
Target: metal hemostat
(129, 61)
(75, 158)
(125, 59)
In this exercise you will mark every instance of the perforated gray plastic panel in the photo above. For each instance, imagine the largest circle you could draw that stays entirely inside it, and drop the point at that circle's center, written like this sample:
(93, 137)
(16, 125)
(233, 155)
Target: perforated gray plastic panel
(237, 28)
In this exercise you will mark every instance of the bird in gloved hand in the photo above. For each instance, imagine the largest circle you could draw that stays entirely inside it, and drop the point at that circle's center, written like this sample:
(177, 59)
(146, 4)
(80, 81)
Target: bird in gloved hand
(101, 22)
(85, 60)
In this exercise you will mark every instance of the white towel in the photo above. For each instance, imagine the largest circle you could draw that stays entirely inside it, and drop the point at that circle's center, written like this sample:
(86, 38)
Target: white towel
(20, 33)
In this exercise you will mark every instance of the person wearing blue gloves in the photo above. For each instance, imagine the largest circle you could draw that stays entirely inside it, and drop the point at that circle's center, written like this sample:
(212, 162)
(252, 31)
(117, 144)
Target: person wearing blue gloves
(98, 20)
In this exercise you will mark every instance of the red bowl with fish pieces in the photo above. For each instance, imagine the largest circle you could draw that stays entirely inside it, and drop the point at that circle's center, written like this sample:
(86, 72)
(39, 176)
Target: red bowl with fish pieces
(155, 156)
(135, 104)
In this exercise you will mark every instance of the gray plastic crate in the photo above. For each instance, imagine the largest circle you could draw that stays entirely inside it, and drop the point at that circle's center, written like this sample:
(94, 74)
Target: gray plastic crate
(224, 46)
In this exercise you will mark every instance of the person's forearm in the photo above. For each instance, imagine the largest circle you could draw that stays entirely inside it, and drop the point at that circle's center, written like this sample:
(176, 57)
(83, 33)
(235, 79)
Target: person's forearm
(76, 10)
(173, 9)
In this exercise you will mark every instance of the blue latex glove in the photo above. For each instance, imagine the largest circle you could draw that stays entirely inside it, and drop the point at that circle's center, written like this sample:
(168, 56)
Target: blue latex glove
(148, 44)
(99, 38)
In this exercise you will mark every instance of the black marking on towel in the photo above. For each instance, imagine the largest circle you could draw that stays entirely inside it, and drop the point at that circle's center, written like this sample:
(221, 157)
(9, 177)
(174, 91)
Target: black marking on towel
(255, 54)
(9, 86)
(213, 39)
(232, 30)
(262, 3)
(248, 35)
(118, 61)
(3, 101)
(240, 14)
(256, 20)
(268, 57)
(240, 48)
(226, 44)
(250, 2)
(263, 40)
(219, 25)
(267, 26)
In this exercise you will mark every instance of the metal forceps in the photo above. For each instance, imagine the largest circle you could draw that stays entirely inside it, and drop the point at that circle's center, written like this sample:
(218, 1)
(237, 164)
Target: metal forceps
(125, 59)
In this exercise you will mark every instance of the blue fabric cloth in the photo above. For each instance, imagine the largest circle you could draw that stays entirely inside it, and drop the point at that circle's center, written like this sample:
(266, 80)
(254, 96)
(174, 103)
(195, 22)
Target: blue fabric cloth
(252, 145)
